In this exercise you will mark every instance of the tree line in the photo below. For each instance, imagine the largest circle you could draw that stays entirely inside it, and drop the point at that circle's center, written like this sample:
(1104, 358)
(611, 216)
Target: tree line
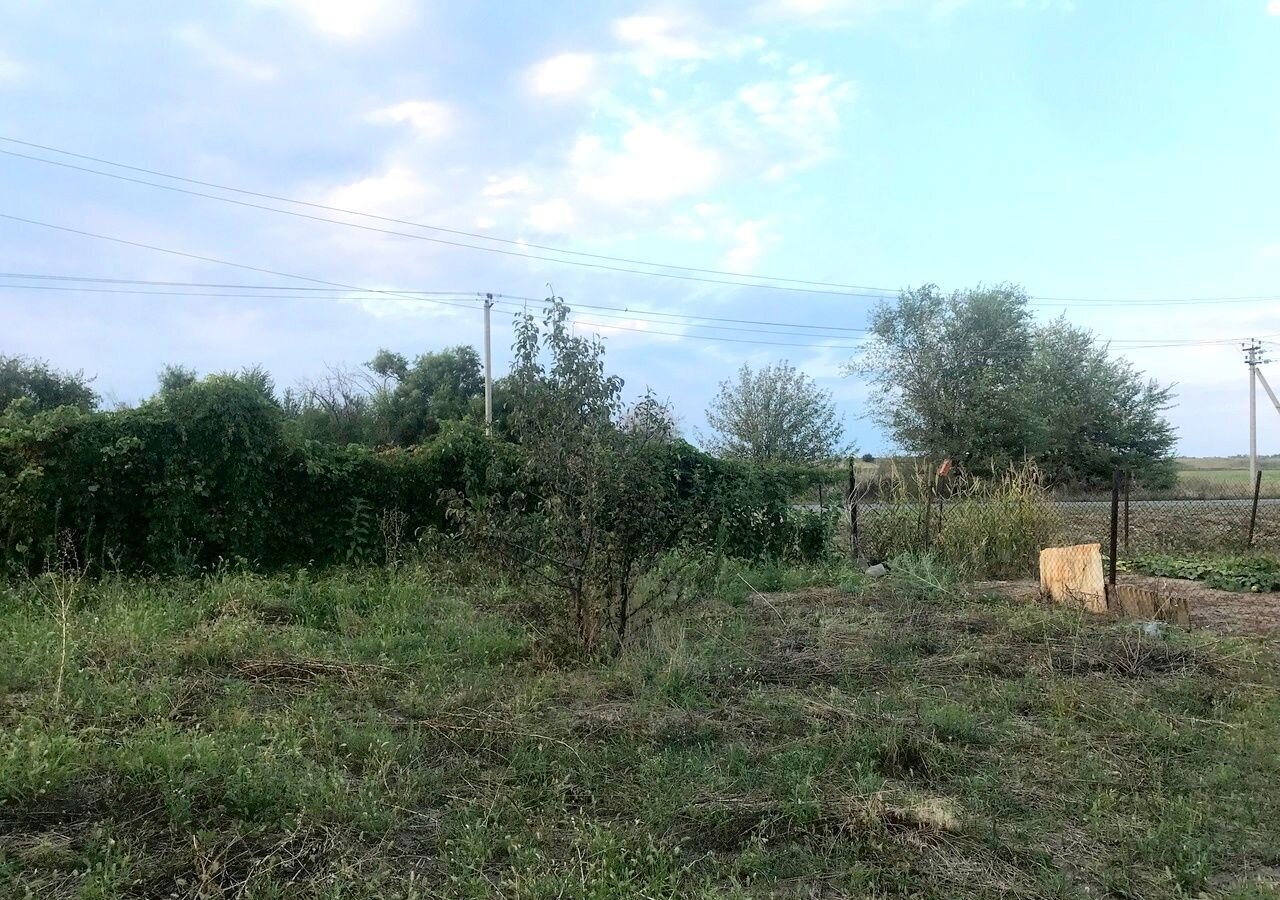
(968, 376)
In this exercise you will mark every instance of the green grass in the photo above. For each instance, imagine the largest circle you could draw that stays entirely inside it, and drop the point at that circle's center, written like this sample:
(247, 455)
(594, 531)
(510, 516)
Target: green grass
(398, 734)
(1240, 462)
(1234, 478)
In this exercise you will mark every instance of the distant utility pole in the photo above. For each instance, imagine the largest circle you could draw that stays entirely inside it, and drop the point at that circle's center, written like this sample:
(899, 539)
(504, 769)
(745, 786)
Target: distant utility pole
(1252, 350)
(488, 366)
(1253, 357)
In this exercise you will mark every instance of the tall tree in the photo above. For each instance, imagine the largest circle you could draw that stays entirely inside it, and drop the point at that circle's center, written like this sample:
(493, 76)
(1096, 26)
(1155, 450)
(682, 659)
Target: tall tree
(434, 388)
(971, 376)
(777, 414)
(32, 380)
(949, 370)
(1099, 414)
(390, 400)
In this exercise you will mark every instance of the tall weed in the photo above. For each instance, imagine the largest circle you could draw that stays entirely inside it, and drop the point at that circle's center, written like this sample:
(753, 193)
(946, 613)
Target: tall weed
(982, 527)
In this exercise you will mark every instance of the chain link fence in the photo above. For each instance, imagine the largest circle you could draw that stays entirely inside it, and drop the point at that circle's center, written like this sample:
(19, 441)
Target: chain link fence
(998, 526)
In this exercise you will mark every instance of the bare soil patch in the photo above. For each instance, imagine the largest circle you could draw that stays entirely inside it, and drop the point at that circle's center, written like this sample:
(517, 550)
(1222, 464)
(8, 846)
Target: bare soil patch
(1229, 612)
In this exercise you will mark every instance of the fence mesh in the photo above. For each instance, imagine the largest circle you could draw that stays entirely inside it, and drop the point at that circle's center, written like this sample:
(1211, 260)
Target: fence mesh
(999, 526)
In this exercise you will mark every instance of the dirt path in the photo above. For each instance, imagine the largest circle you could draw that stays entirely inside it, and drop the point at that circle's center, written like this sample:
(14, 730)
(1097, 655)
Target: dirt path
(1229, 612)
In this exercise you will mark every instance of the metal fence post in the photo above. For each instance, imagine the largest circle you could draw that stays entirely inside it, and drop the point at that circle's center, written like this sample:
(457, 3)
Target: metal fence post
(1253, 513)
(851, 498)
(941, 496)
(1115, 523)
(928, 513)
(1128, 480)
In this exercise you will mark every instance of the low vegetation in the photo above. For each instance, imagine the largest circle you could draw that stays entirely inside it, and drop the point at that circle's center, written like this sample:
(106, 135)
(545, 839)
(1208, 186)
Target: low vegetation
(982, 527)
(402, 732)
(1229, 573)
(347, 645)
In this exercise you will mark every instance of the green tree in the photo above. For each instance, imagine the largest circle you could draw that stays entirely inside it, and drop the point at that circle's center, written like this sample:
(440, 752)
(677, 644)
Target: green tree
(972, 377)
(390, 400)
(437, 387)
(777, 414)
(32, 380)
(1098, 413)
(949, 371)
(175, 377)
(599, 510)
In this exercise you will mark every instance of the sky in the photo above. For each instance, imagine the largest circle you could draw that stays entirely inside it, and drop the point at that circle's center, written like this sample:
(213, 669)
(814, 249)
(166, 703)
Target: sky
(1111, 156)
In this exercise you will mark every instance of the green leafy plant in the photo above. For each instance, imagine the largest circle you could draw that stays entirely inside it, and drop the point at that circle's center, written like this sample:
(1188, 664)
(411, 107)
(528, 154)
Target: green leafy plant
(1228, 573)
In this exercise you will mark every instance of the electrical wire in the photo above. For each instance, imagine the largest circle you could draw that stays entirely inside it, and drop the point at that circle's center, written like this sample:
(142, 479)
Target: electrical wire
(522, 299)
(513, 302)
(755, 281)
(446, 242)
(439, 228)
(224, 262)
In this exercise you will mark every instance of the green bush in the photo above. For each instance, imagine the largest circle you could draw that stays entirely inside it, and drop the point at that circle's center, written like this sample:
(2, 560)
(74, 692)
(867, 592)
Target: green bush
(206, 474)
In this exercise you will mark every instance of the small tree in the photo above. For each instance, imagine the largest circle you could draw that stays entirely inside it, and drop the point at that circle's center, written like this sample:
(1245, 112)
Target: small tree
(598, 507)
(777, 414)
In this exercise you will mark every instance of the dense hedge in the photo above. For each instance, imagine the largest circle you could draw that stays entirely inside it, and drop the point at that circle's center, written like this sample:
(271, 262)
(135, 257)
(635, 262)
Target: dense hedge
(207, 474)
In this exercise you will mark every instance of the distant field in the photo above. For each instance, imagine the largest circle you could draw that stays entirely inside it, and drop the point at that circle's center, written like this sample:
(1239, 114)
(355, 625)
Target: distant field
(1222, 476)
(1224, 463)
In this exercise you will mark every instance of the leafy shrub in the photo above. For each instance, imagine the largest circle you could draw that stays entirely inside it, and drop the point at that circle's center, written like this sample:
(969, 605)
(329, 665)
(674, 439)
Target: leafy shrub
(1230, 573)
(205, 474)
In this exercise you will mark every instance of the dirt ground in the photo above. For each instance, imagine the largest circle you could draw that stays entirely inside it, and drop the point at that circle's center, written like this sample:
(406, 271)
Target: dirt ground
(1229, 612)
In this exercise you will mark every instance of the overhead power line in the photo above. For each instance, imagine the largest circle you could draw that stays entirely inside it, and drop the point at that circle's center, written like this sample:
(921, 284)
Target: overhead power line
(513, 304)
(605, 262)
(859, 292)
(521, 299)
(224, 262)
(439, 228)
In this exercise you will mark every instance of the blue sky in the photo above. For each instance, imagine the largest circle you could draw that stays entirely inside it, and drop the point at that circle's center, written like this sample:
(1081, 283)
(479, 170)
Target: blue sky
(1099, 150)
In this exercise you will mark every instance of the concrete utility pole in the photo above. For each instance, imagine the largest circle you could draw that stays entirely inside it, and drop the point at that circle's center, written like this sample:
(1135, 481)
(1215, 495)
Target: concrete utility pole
(488, 366)
(1251, 351)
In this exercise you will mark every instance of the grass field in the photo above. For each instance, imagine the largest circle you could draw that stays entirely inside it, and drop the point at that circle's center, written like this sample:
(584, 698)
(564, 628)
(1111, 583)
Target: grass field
(1235, 478)
(1219, 474)
(397, 734)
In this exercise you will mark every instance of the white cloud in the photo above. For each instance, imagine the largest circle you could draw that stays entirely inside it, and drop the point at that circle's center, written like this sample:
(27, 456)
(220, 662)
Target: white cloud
(820, 12)
(655, 36)
(430, 118)
(11, 71)
(750, 242)
(1273, 8)
(397, 191)
(391, 305)
(564, 75)
(803, 113)
(349, 20)
(650, 165)
(217, 55)
(506, 187)
(554, 215)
